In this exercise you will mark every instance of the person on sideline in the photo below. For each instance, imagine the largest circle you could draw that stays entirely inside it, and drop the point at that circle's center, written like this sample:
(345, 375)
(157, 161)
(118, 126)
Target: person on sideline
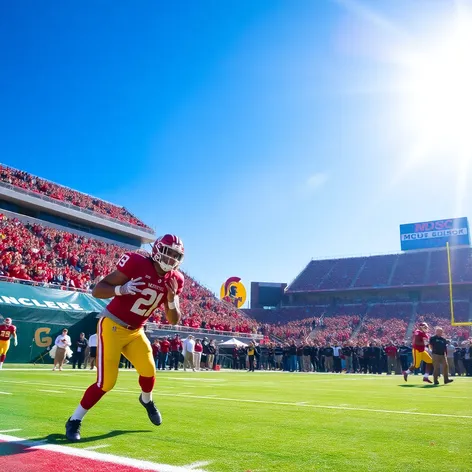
(439, 354)
(62, 342)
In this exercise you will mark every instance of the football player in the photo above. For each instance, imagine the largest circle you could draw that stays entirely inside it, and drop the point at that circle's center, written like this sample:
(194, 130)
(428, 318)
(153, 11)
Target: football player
(139, 285)
(7, 331)
(420, 341)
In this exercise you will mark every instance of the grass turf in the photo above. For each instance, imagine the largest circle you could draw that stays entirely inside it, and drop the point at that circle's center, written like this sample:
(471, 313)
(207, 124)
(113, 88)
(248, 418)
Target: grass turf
(240, 421)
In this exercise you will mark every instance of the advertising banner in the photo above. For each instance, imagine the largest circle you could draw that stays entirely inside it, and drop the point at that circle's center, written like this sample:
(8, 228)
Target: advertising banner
(435, 234)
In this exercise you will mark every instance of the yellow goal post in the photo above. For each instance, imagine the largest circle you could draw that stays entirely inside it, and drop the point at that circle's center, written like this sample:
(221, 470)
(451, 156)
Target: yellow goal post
(451, 298)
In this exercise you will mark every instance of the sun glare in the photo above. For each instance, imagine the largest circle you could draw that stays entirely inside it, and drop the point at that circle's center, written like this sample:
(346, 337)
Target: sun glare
(437, 91)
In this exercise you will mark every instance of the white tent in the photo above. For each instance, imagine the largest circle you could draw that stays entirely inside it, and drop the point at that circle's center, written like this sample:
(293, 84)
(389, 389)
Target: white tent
(232, 342)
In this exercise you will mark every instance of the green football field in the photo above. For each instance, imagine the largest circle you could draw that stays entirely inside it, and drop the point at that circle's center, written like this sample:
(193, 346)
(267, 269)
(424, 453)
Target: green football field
(239, 421)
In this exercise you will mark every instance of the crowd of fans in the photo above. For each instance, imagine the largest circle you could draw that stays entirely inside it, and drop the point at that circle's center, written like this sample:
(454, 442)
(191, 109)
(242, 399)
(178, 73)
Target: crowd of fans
(48, 256)
(29, 182)
(44, 255)
(351, 357)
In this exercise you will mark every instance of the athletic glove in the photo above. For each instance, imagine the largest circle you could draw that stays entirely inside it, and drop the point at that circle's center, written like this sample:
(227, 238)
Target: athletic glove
(130, 287)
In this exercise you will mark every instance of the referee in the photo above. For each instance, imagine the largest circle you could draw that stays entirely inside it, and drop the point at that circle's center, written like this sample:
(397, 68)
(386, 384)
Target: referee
(439, 347)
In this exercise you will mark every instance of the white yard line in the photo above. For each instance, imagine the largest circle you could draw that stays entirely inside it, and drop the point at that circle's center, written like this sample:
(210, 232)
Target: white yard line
(98, 456)
(51, 391)
(194, 465)
(322, 407)
(295, 404)
(99, 446)
(6, 393)
(9, 430)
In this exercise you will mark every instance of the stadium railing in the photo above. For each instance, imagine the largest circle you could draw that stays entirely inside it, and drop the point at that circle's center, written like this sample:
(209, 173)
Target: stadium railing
(151, 326)
(54, 286)
(75, 207)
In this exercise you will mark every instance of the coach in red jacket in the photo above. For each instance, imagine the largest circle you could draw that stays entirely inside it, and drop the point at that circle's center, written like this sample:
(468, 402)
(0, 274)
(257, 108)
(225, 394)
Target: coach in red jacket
(391, 352)
(164, 353)
(175, 350)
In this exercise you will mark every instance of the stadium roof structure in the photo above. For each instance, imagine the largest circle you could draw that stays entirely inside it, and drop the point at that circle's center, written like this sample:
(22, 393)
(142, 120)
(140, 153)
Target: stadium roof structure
(32, 201)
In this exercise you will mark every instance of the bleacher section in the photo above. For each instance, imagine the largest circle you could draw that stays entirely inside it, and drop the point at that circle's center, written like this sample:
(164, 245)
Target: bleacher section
(29, 183)
(376, 271)
(46, 256)
(387, 311)
(394, 270)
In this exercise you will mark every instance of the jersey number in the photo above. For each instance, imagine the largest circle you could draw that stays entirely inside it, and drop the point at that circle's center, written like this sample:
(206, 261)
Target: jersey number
(145, 306)
(5, 334)
(124, 259)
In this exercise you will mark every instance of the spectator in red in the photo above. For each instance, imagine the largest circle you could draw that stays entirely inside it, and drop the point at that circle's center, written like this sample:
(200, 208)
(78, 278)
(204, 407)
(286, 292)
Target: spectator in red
(163, 354)
(175, 352)
(391, 352)
(197, 354)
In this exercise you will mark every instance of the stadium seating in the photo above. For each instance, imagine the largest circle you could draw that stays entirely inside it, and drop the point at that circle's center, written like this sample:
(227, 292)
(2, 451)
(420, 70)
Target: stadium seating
(342, 273)
(387, 311)
(47, 256)
(376, 271)
(286, 314)
(451, 332)
(394, 270)
(310, 277)
(410, 269)
(442, 309)
(27, 182)
(377, 329)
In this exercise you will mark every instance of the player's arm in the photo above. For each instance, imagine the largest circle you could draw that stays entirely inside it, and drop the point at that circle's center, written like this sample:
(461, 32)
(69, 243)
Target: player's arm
(172, 305)
(15, 338)
(116, 284)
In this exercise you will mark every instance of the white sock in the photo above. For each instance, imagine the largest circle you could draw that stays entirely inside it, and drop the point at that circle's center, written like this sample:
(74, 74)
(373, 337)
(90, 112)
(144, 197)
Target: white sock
(1, 365)
(79, 413)
(146, 396)
(408, 371)
(425, 376)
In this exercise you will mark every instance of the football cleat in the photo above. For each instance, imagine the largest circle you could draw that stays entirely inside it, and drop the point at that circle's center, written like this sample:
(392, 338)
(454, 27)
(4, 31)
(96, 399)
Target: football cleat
(427, 380)
(73, 430)
(448, 381)
(405, 375)
(152, 411)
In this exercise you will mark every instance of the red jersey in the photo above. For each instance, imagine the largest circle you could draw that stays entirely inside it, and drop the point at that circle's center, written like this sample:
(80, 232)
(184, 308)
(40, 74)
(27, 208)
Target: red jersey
(391, 351)
(418, 340)
(165, 346)
(176, 345)
(134, 310)
(6, 332)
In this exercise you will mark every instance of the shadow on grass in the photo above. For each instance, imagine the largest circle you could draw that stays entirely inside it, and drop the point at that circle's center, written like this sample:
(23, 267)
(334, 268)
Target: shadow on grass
(21, 447)
(418, 386)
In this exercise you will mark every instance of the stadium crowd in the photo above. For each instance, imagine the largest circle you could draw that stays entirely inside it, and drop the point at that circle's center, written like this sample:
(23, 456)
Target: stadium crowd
(26, 181)
(51, 257)
(350, 357)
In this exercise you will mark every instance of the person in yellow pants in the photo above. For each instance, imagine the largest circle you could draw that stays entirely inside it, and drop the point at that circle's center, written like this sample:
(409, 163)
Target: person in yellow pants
(139, 285)
(7, 331)
(420, 341)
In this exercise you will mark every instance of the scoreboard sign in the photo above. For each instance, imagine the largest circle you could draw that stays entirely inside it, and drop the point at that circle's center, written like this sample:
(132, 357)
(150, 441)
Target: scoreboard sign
(431, 234)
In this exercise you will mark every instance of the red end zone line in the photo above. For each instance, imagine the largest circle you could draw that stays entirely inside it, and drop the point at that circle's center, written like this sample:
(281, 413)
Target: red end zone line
(20, 455)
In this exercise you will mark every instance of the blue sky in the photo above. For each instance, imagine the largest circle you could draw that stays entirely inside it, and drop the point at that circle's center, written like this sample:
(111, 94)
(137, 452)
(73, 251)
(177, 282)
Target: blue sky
(263, 133)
